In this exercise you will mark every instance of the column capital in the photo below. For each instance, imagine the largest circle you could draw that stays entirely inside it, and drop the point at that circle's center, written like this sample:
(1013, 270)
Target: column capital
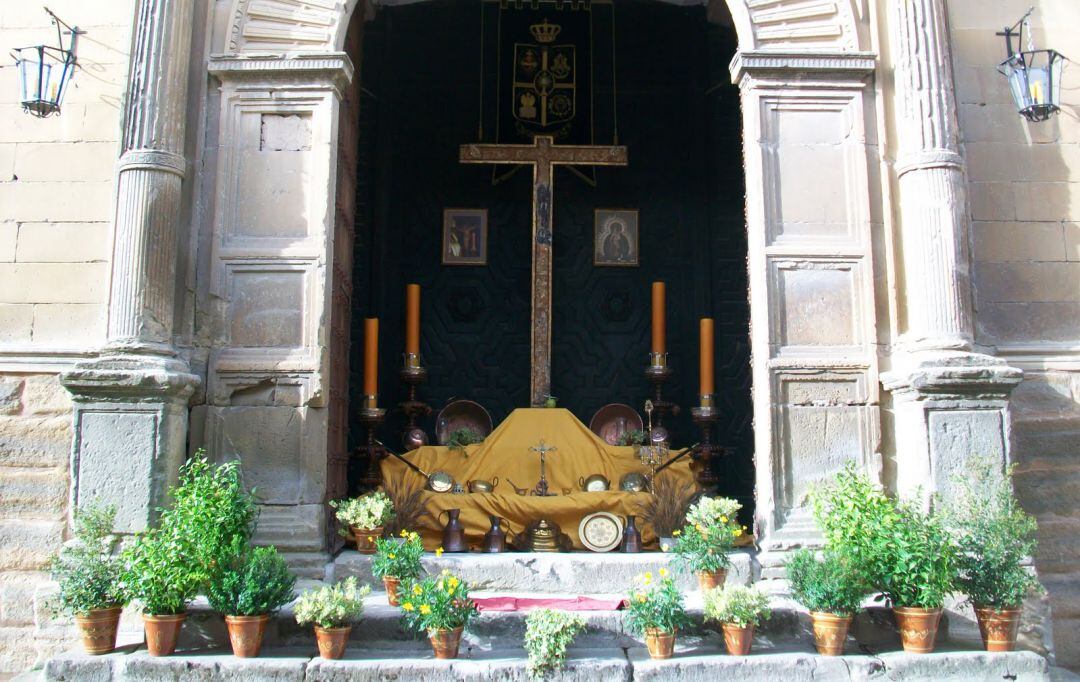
(951, 374)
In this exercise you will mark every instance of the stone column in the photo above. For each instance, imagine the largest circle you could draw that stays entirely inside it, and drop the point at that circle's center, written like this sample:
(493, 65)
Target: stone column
(131, 402)
(951, 397)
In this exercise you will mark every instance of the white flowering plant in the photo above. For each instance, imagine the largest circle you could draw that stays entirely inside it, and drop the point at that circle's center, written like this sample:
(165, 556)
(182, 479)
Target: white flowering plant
(737, 605)
(332, 606)
(712, 526)
(366, 512)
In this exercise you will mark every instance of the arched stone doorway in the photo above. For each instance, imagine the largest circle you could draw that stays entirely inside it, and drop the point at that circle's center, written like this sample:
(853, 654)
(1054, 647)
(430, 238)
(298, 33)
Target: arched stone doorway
(810, 212)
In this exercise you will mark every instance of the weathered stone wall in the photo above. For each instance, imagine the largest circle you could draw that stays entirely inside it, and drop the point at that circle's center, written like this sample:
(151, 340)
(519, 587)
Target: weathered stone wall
(1024, 187)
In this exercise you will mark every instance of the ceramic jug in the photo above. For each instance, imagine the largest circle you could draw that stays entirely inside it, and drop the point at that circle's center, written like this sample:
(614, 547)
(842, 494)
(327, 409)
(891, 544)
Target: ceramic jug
(495, 538)
(453, 535)
(631, 537)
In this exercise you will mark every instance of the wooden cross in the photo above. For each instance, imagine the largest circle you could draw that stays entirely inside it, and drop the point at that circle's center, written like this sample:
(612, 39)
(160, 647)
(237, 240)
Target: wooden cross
(543, 155)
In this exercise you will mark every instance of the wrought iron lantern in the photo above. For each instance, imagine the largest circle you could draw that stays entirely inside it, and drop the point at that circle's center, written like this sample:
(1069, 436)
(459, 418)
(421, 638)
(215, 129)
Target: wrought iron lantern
(1034, 75)
(46, 71)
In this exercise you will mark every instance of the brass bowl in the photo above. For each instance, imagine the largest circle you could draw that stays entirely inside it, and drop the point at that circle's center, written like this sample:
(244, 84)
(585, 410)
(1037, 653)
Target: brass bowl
(633, 483)
(597, 483)
(479, 486)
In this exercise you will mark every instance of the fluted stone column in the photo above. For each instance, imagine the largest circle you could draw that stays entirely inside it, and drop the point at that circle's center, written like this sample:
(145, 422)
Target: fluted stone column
(951, 397)
(131, 409)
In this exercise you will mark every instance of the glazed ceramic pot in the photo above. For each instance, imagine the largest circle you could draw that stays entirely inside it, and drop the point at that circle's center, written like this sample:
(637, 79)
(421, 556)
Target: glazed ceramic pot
(246, 634)
(332, 641)
(98, 629)
(445, 642)
(998, 627)
(830, 632)
(661, 644)
(162, 633)
(918, 628)
(738, 639)
(710, 580)
(365, 538)
(391, 584)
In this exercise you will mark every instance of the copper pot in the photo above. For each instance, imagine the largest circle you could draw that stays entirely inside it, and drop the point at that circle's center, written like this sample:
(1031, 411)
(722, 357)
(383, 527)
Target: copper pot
(332, 641)
(445, 643)
(710, 580)
(246, 634)
(918, 628)
(661, 644)
(998, 627)
(830, 632)
(98, 628)
(738, 639)
(162, 633)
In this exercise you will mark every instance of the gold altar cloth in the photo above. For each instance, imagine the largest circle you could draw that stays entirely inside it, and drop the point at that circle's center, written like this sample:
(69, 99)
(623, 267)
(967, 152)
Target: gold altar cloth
(505, 454)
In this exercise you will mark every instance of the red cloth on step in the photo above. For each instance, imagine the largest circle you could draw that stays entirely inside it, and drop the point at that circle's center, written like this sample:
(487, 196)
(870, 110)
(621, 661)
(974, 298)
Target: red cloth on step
(562, 603)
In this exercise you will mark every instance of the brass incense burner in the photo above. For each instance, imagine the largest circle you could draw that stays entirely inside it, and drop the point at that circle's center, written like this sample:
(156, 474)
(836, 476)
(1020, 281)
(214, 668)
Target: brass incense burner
(543, 536)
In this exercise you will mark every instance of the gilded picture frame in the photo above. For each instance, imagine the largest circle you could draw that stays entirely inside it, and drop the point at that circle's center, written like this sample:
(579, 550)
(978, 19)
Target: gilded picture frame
(615, 237)
(465, 236)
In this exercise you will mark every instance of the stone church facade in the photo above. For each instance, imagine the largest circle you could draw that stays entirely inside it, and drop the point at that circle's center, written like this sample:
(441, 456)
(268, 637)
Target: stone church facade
(174, 269)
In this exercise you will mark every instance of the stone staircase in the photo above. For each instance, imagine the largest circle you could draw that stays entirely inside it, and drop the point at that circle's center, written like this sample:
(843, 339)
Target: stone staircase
(380, 650)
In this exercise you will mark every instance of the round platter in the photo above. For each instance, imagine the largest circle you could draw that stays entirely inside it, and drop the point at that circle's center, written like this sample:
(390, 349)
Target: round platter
(612, 421)
(601, 531)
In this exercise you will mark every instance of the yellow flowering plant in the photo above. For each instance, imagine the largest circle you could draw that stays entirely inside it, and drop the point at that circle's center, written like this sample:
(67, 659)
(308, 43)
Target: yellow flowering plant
(655, 602)
(439, 602)
(398, 559)
(712, 526)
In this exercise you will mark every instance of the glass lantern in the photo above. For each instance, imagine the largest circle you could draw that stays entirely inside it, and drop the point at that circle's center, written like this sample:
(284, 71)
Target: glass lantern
(1034, 75)
(45, 72)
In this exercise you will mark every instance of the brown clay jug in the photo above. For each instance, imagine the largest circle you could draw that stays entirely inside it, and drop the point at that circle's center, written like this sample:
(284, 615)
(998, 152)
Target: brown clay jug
(453, 535)
(495, 538)
(631, 537)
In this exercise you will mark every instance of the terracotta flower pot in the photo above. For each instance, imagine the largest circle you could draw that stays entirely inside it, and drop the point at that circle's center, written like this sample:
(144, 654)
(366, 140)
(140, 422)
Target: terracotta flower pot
(162, 633)
(246, 634)
(365, 538)
(391, 583)
(332, 641)
(661, 644)
(98, 628)
(830, 631)
(918, 628)
(737, 639)
(998, 627)
(709, 580)
(445, 643)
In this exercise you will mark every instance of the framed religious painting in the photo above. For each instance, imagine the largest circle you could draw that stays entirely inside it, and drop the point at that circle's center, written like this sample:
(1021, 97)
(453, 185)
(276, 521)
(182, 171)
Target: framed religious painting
(465, 234)
(615, 237)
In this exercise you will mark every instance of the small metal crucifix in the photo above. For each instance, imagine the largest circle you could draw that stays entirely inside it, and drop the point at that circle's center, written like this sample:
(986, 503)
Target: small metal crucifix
(543, 155)
(541, 489)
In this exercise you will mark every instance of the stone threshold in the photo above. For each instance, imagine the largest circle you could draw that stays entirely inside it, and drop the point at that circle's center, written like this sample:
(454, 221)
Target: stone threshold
(690, 664)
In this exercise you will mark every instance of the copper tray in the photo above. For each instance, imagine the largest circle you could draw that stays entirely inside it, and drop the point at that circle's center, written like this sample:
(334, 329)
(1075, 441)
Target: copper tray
(462, 414)
(611, 421)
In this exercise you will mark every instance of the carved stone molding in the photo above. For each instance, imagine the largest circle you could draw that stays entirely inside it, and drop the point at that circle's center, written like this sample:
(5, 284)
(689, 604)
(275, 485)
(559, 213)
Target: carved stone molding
(333, 67)
(792, 62)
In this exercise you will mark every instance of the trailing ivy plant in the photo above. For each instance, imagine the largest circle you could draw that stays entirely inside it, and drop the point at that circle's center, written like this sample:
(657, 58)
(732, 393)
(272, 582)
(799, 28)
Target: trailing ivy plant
(548, 634)
(460, 438)
(87, 573)
(828, 585)
(256, 582)
(994, 535)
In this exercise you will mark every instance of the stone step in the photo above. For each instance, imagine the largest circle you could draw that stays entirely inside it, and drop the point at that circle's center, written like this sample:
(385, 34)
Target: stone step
(689, 664)
(568, 573)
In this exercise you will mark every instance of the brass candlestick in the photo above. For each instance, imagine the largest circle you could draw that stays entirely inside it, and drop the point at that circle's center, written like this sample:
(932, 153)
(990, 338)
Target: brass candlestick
(654, 451)
(658, 373)
(706, 416)
(371, 417)
(413, 373)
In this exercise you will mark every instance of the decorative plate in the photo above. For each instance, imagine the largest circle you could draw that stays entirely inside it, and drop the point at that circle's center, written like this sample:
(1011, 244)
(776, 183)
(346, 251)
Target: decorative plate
(462, 414)
(601, 531)
(612, 421)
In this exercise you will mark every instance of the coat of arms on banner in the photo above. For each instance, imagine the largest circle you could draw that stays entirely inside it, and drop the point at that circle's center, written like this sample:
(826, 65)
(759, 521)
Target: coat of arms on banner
(545, 87)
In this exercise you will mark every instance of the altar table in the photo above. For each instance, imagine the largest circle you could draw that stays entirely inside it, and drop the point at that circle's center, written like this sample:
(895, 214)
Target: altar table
(505, 453)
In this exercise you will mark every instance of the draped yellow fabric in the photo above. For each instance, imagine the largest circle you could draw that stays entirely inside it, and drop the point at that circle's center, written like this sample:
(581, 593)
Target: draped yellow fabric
(506, 455)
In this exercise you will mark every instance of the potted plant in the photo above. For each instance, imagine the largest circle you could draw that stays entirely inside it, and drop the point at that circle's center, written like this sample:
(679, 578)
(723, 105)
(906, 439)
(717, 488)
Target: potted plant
(439, 606)
(994, 538)
(656, 611)
(905, 552)
(703, 544)
(665, 509)
(739, 610)
(332, 609)
(365, 516)
(88, 577)
(253, 585)
(548, 634)
(166, 566)
(833, 591)
(396, 562)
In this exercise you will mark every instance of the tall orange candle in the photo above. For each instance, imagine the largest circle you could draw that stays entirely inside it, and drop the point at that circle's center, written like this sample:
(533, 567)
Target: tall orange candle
(412, 319)
(371, 355)
(706, 363)
(659, 320)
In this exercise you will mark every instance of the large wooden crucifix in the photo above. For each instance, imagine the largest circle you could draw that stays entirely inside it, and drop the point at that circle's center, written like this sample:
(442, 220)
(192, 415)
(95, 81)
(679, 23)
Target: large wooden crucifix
(543, 155)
